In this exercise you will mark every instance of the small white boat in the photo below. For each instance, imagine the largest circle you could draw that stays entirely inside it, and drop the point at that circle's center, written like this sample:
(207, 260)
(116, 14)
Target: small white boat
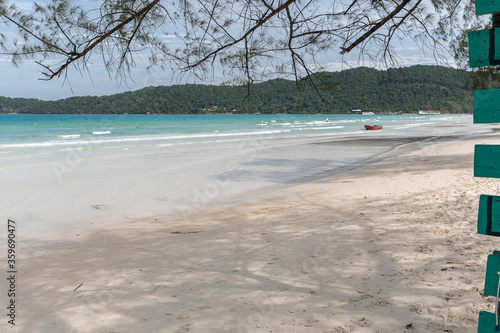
(431, 112)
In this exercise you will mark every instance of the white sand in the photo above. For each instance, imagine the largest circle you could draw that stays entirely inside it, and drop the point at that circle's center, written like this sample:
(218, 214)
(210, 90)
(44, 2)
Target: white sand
(65, 192)
(373, 250)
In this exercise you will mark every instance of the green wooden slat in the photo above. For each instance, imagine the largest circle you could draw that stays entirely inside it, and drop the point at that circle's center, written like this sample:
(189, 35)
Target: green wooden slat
(486, 322)
(486, 105)
(491, 279)
(487, 6)
(487, 161)
(482, 216)
(480, 43)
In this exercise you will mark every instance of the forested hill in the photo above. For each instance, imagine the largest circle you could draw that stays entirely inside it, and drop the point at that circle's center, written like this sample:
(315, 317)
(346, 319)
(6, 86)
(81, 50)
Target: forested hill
(405, 89)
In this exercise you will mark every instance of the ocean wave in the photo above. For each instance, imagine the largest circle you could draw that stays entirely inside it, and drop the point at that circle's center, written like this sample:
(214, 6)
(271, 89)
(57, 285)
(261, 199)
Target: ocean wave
(325, 128)
(348, 120)
(43, 144)
(406, 126)
(69, 136)
(128, 139)
(157, 134)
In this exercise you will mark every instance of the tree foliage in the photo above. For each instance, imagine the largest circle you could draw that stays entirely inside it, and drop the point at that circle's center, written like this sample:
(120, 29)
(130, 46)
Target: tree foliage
(249, 40)
(406, 89)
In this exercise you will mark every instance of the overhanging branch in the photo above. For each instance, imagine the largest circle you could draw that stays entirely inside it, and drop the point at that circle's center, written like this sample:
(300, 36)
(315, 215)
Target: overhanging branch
(375, 27)
(99, 40)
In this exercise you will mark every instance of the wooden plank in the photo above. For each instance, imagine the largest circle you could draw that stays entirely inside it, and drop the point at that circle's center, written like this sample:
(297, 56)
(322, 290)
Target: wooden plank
(486, 322)
(487, 161)
(488, 216)
(486, 105)
(491, 279)
(487, 6)
(484, 47)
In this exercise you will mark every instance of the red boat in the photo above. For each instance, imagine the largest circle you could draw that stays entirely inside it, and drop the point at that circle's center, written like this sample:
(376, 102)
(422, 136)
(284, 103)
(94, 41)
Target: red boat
(373, 127)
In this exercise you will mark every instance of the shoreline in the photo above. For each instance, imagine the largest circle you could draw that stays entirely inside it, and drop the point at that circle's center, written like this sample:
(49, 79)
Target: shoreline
(73, 193)
(376, 248)
(250, 172)
(405, 144)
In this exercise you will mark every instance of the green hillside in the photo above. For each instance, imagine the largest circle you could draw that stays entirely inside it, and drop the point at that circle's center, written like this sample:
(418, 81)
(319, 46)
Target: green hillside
(405, 89)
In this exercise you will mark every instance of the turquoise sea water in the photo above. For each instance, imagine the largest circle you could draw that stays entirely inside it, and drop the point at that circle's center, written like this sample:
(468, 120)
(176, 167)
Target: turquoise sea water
(49, 132)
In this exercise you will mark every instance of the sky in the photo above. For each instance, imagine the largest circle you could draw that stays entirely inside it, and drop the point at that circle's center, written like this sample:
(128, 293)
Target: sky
(25, 80)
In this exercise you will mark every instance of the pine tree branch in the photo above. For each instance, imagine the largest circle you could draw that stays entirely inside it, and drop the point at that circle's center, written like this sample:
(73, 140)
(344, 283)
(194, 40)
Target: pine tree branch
(29, 32)
(260, 23)
(79, 55)
(375, 27)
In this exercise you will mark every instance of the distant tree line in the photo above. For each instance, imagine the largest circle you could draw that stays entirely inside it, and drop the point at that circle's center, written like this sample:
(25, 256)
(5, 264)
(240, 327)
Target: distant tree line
(407, 89)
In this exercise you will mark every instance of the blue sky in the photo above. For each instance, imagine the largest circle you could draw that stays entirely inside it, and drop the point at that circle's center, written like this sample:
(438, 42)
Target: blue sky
(24, 81)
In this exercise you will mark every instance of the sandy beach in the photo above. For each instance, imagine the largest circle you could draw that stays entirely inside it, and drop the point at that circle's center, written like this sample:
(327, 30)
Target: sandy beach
(389, 245)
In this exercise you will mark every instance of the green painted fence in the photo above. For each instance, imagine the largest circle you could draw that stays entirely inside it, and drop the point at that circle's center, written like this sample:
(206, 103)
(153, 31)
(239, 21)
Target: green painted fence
(487, 6)
(486, 322)
(487, 161)
(488, 216)
(486, 106)
(484, 50)
(484, 47)
(491, 279)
